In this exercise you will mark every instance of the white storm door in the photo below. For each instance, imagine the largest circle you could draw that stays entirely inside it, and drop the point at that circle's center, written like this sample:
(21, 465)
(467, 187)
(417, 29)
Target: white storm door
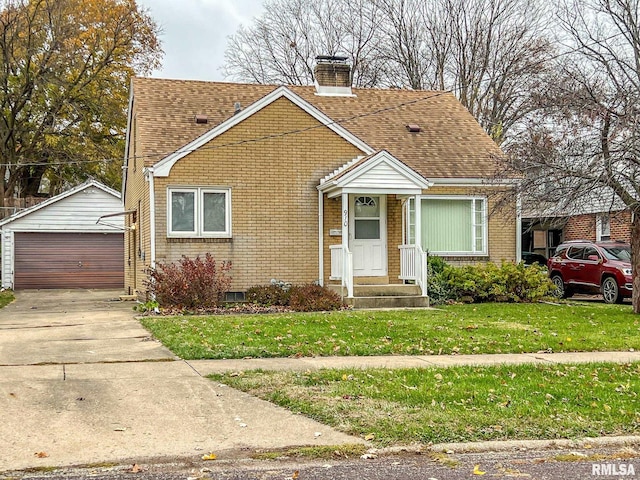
(368, 235)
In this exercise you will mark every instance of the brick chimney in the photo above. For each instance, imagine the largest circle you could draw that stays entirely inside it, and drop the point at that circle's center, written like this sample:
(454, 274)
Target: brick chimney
(332, 75)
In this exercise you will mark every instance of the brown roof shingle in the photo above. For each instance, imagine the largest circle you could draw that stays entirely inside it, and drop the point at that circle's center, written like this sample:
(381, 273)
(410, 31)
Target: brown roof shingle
(451, 144)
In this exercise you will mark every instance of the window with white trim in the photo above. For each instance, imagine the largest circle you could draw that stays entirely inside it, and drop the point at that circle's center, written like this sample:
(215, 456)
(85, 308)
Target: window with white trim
(198, 212)
(603, 227)
(451, 225)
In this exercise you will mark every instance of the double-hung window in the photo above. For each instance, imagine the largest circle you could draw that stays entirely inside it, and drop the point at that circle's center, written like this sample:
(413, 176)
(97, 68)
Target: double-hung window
(603, 227)
(451, 225)
(199, 212)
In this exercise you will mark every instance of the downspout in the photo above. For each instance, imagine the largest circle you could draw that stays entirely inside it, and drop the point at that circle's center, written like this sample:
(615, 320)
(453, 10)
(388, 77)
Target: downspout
(152, 218)
(518, 227)
(321, 238)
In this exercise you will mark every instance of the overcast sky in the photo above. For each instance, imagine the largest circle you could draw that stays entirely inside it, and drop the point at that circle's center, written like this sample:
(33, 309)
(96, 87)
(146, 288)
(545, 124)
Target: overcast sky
(194, 34)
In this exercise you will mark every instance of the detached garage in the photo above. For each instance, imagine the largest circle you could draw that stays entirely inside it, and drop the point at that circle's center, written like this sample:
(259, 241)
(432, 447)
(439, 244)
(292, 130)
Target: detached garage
(60, 244)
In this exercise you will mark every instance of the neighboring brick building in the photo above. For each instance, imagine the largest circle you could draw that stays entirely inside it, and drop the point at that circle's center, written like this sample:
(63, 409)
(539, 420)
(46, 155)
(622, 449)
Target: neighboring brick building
(543, 236)
(599, 226)
(303, 184)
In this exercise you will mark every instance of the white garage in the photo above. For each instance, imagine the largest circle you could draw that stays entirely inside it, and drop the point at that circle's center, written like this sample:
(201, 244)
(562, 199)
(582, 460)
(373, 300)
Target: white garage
(60, 244)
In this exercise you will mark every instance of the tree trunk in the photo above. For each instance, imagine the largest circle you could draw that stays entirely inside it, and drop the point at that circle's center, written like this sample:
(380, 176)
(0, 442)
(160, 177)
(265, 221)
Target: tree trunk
(635, 260)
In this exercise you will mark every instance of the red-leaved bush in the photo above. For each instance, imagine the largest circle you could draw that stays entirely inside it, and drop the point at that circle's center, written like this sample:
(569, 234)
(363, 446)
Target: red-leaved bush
(313, 298)
(190, 283)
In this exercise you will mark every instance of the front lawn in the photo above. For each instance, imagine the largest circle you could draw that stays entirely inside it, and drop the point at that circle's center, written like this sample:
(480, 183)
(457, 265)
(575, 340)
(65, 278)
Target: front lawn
(461, 404)
(454, 329)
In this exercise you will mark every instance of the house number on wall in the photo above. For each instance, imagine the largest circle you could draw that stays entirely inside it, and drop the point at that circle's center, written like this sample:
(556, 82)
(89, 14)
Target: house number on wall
(345, 217)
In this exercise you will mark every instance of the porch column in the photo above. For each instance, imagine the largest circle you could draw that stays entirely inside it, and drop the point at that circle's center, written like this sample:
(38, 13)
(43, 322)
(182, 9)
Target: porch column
(345, 220)
(321, 238)
(421, 258)
(347, 266)
(418, 220)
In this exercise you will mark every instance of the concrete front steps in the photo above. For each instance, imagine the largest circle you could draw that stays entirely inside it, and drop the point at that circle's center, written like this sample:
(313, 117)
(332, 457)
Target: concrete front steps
(383, 296)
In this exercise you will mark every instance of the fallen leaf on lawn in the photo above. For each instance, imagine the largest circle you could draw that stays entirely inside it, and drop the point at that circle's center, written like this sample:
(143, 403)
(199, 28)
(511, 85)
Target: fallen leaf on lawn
(41, 454)
(369, 436)
(477, 471)
(607, 408)
(211, 456)
(295, 475)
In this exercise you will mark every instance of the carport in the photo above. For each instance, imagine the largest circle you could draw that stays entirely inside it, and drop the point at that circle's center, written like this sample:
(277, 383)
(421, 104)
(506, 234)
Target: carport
(60, 244)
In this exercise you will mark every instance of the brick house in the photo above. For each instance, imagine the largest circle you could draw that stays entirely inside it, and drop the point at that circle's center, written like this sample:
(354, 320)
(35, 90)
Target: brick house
(614, 225)
(326, 183)
(599, 218)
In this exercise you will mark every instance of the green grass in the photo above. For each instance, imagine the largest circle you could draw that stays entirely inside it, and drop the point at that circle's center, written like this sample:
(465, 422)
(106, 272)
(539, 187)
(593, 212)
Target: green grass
(463, 329)
(399, 407)
(6, 298)
(326, 452)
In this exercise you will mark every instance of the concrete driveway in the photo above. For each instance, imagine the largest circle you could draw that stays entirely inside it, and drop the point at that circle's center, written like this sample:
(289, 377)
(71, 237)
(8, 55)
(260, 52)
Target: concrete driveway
(72, 326)
(82, 382)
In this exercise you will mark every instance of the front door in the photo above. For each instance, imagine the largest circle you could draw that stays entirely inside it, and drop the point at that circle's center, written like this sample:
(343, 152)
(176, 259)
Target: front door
(368, 235)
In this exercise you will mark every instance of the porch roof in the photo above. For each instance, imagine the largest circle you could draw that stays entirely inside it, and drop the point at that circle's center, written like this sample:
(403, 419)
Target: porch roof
(379, 172)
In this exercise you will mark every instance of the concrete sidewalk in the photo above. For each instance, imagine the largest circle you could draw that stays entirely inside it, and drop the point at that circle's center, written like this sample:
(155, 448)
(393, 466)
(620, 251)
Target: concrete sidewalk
(206, 367)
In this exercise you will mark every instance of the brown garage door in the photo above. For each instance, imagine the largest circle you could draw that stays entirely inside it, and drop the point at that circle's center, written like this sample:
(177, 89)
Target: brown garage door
(69, 260)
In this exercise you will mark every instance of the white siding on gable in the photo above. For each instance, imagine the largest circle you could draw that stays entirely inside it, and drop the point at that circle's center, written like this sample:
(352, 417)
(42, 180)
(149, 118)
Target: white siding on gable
(382, 175)
(76, 213)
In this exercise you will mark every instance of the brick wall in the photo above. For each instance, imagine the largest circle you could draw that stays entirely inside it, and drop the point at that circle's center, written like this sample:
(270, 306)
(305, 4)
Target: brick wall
(621, 225)
(274, 196)
(580, 227)
(583, 227)
(137, 244)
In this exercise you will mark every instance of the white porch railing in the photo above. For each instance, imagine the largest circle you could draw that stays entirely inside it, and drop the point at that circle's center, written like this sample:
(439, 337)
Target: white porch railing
(413, 266)
(342, 267)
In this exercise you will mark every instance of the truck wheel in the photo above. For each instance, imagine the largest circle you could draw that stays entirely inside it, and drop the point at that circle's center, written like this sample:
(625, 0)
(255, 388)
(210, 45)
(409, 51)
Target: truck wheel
(610, 291)
(560, 291)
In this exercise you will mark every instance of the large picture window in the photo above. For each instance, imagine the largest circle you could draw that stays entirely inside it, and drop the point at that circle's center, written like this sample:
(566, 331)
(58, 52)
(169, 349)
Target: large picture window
(199, 212)
(451, 225)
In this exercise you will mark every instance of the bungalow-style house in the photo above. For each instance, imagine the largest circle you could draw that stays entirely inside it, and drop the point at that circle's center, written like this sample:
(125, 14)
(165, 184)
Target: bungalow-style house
(328, 183)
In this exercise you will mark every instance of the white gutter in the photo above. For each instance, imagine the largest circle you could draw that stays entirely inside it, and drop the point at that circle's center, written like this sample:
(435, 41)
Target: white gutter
(321, 238)
(463, 182)
(152, 217)
(125, 164)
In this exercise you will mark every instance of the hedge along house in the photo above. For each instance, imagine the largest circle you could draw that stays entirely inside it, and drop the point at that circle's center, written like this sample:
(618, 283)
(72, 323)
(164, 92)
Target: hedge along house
(348, 187)
(60, 242)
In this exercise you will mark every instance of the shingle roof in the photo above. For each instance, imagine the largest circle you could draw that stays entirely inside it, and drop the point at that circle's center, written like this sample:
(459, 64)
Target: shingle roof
(450, 144)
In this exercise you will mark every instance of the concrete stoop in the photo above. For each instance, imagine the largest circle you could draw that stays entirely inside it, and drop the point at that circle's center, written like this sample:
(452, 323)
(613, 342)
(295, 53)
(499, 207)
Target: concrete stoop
(388, 301)
(383, 296)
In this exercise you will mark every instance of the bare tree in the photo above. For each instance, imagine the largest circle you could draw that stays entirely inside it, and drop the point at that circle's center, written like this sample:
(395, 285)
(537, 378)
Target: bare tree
(491, 53)
(584, 143)
(281, 46)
